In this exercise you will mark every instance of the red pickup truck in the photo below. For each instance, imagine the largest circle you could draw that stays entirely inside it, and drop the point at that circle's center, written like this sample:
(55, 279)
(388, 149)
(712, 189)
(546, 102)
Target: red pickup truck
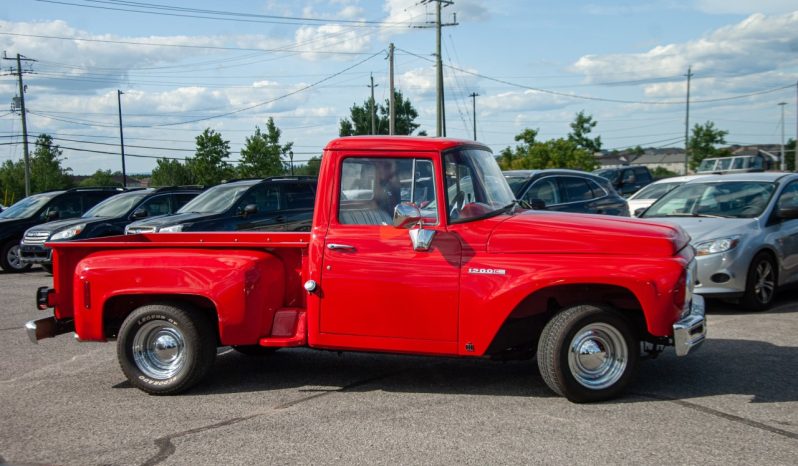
(417, 247)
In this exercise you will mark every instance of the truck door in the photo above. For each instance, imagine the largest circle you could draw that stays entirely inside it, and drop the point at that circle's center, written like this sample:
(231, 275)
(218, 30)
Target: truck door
(377, 292)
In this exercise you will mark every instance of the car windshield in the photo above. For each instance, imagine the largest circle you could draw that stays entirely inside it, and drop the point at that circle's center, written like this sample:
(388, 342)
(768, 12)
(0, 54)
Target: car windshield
(475, 186)
(27, 207)
(216, 200)
(516, 183)
(728, 199)
(655, 191)
(116, 206)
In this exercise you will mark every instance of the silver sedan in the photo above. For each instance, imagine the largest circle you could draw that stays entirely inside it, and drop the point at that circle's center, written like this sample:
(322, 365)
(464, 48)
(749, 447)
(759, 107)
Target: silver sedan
(744, 229)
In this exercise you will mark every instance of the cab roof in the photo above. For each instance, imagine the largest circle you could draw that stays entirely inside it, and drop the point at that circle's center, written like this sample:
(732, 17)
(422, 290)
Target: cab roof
(400, 143)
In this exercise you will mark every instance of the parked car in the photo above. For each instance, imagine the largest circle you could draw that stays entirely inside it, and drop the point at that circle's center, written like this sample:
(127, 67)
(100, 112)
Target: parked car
(735, 164)
(646, 196)
(107, 218)
(42, 208)
(566, 191)
(626, 180)
(744, 228)
(270, 204)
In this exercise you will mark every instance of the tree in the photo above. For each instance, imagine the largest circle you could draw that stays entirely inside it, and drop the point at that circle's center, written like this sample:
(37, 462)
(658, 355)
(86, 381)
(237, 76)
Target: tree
(359, 121)
(262, 154)
(789, 154)
(12, 180)
(171, 173)
(101, 178)
(556, 153)
(311, 168)
(527, 138)
(209, 165)
(46, 172)
(580, 128)
(702, 143)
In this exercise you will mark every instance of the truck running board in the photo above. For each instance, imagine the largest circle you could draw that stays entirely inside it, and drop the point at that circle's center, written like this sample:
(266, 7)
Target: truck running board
(289, 328)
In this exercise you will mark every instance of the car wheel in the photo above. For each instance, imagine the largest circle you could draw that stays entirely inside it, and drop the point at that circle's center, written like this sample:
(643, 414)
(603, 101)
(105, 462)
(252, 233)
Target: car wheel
(164, 349)
(760, 284)
(10, 259)
(587, 353)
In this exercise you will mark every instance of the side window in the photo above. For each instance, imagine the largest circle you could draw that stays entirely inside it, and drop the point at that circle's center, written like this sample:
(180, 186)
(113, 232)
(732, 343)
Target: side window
(628, 176)
(92, 199)
(576, 189)
(545, 190)
(789, 197)
(598, 191)
(179, 200)
(371, 187)
(642, 175)
(265, 197)
(298, 196)
(156, 205)
(67, 206)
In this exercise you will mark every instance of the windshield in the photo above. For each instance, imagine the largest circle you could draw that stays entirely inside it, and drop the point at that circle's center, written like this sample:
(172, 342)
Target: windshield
(655, 191)
(116, 206)
(28, 206)
(475, 186)
(731, 199)
(215, 200)
(516, 183)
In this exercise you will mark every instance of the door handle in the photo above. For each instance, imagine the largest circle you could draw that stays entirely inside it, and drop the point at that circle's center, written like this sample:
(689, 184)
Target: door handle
(342, 247)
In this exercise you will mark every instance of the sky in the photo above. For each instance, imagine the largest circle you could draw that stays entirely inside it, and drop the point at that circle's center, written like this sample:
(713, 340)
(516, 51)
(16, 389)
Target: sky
(186, 66)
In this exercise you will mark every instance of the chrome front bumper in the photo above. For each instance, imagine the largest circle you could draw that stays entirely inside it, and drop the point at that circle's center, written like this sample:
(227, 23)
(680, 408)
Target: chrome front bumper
(48, 327)
(691, 330)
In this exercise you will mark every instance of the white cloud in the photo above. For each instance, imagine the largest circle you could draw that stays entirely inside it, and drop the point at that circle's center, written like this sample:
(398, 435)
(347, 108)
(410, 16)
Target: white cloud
(402, 12)
(758, 44)
(745, 7)
(527, 101)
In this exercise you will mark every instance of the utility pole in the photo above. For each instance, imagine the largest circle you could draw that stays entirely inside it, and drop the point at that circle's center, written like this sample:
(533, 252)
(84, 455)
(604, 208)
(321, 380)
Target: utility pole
(392, 98)
(372, 109)
(474, 105)
(121, 136)
(783, 162)
(22, 88)
(687, 124)
(795, 146)
(441, 108)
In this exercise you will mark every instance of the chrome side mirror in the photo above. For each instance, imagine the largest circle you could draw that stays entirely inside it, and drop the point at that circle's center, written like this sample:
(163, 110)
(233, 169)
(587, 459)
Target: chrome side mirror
(407, 215)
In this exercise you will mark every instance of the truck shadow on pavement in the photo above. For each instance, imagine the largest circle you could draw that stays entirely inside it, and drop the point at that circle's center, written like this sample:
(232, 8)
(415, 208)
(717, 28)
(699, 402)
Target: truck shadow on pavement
(763, 371)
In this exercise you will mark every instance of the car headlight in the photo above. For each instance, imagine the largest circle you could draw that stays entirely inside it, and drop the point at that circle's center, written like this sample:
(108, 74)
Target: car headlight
(715, 246)
(68, 232)
(171, 229)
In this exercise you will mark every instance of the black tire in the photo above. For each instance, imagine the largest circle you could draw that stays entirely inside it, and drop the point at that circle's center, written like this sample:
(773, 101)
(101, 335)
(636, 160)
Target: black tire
(587, 353)
(163, 349)
(9, 258)
(760, 283)
(255, 350)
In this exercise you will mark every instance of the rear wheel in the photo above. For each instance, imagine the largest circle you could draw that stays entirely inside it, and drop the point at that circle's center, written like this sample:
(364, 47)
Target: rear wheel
(10, 259)
(760, 284)
(164, 349)
(587, 353)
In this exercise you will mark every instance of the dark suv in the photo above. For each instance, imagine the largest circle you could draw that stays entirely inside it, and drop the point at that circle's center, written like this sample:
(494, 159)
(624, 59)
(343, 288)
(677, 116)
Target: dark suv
(270, 204)
(107, 218)
(566, 191)
(41, 208)
(626, 180)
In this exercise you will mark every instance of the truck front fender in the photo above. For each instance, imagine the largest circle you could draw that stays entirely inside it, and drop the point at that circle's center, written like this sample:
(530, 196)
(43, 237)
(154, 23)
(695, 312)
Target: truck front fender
(245, 286)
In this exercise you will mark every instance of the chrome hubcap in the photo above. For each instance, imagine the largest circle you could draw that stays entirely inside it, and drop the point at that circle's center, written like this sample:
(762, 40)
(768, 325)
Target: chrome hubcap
(765, 283)
(159, 350)
(597, 356)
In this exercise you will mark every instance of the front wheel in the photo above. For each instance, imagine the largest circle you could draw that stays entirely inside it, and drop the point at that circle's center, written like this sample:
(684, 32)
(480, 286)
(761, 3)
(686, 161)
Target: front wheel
(10, 259)
(163, 349)
(587, 353)
(760, 284)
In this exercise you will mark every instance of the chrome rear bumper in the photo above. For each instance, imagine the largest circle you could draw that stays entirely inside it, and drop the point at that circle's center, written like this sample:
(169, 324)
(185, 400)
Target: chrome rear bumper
(48, 328)
(691, 330)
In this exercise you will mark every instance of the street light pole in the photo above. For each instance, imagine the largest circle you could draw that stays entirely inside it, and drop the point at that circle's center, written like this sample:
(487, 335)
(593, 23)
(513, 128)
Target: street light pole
(783, 165)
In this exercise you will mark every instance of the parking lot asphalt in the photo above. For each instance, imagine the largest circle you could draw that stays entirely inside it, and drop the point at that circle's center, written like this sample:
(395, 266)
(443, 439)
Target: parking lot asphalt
(734, 401)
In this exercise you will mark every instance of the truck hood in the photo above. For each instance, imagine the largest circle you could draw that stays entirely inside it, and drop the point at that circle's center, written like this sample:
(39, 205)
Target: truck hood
(541, 232)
